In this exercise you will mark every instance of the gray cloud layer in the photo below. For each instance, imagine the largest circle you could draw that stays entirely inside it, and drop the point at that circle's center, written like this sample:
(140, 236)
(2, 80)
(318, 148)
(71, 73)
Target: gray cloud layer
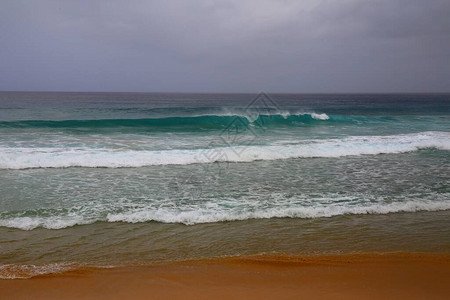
(226, 46)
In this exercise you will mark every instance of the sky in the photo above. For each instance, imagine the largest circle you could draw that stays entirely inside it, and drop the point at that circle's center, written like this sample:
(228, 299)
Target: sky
(291, 46)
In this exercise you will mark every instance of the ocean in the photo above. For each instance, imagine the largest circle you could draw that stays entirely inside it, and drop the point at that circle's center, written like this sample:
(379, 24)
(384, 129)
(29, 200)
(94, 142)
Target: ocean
(109, 179)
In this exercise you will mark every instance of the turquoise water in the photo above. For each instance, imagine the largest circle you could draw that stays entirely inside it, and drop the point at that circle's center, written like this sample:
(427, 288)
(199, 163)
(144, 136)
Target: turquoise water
(118, 178)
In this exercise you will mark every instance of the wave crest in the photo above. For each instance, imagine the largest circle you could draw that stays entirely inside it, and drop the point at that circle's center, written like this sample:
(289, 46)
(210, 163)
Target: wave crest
(216, 213)
(195, 217)
(25, 158)
(215, 121)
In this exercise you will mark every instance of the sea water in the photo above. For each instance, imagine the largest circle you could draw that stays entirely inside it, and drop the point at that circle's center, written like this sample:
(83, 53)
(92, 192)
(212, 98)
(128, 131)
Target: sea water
(117, 178)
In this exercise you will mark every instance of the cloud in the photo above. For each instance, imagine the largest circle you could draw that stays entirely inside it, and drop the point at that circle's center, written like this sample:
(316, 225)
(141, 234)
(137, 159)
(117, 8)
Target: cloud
(230, 45)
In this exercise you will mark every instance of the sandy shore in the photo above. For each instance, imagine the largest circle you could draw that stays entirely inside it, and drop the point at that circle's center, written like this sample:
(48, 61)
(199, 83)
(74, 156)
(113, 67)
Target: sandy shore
(365, 276)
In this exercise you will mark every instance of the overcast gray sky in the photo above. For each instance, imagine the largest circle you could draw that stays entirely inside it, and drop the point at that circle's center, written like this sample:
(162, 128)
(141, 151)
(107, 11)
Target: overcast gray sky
(226, 46)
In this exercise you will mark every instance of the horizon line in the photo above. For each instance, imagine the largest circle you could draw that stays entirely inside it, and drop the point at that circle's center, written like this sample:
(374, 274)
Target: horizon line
(204, 92)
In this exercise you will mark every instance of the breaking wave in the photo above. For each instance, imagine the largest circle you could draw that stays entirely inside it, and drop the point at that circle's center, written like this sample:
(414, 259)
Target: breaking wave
(216, 121)
(25, 158)
(214, 213)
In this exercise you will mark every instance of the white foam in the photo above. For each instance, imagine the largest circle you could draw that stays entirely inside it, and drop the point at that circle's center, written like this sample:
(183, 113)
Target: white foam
(199, 216)
(29, 223)
(251, 116)
(12, 271)
(320, 116)
(23, 158)
(237, 209)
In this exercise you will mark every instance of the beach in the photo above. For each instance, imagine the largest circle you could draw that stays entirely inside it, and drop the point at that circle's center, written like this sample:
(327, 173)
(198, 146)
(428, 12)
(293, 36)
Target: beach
(200, 196)
(253, 149)
(359, 276)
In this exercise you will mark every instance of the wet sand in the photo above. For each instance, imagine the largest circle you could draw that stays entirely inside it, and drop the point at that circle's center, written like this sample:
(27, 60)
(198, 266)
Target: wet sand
(362, 276)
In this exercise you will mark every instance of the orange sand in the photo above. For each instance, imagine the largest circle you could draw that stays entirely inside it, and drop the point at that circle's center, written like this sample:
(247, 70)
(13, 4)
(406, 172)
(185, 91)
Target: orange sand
(365, 276)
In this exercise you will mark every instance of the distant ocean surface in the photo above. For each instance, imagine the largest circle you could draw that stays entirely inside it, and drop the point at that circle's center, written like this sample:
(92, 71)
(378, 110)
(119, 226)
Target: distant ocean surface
(120, 178)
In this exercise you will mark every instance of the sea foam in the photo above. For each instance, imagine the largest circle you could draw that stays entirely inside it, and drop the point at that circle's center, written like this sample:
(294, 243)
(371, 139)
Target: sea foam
(202, 216)
(60, 157)
(191, 215)
(12, 271)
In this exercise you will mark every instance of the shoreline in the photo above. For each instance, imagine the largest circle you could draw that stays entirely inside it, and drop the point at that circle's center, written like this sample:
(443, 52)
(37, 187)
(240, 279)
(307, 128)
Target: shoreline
(350, 276)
